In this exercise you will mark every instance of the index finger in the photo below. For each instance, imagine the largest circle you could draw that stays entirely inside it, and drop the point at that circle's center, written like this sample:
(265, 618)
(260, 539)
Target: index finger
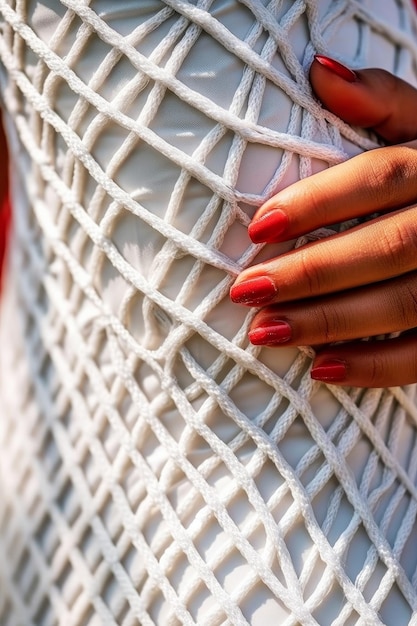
(382, 179)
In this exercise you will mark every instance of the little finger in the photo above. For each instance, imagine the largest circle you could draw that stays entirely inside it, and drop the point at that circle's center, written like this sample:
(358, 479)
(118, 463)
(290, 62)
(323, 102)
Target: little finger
(387, 363)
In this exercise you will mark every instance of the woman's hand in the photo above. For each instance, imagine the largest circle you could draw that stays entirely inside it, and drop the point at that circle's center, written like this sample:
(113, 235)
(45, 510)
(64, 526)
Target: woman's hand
(361, 282)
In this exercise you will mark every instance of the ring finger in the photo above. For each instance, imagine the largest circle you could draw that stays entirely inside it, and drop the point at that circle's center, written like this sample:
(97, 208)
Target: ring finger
(383, 308)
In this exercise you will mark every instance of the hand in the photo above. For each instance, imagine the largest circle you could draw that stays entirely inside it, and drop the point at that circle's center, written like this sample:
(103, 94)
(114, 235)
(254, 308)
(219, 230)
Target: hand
(358, 283)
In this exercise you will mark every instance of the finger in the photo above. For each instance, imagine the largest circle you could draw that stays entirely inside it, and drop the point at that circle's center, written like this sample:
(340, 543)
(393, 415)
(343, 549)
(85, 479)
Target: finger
(372, 182)
(374, 98)
(379, 309)
(377, 363)
(369, 253)
(385, 178)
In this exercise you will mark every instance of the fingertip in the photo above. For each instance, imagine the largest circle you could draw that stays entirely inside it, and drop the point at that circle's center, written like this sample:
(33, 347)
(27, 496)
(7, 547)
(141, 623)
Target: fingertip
(329, 370)
(351, 100)
(376, 99)
(338, 69)
(269, 227)
(378, 363)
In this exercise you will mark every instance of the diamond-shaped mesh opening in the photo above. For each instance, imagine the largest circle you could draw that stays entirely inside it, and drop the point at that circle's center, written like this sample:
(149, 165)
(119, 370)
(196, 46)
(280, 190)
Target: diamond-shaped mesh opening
(155, 467)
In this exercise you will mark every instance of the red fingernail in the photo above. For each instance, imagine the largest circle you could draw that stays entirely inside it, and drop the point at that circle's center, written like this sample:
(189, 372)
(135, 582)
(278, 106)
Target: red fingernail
(253, 292)
(268, 227)
(330, 371)
(337, 68)
(270, 334)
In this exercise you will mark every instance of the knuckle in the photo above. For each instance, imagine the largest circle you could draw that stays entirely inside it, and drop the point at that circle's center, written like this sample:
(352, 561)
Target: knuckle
(393, 362)
(407, 306)
(314, 270)
(331, 324)
(377, 369)
(389, 170)
(400, 244)
(319, 201)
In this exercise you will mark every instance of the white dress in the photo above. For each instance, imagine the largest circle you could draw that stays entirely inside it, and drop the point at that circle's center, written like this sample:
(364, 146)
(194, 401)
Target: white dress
(155, 468)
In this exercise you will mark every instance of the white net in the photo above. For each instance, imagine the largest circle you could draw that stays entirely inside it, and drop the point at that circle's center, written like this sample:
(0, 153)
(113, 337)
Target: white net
(155, 468)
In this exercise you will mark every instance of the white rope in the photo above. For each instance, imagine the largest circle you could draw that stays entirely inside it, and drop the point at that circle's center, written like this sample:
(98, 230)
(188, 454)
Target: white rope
(165, 471)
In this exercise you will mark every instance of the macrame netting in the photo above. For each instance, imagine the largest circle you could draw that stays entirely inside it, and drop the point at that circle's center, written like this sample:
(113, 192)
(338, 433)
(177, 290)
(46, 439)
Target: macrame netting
(156, 468)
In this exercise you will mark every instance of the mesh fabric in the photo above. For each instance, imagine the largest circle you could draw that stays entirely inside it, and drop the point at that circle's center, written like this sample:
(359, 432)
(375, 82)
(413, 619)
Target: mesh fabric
(155, 467)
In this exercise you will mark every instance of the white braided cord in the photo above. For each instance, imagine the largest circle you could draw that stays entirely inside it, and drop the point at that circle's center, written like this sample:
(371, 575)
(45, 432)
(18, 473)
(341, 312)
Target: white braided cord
(154, 472)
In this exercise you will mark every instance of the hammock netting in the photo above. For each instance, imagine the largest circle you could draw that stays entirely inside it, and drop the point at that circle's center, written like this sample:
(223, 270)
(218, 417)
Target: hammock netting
(156, 468)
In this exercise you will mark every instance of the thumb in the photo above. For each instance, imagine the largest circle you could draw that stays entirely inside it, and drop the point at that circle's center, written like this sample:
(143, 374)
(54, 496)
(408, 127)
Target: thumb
(370, 98)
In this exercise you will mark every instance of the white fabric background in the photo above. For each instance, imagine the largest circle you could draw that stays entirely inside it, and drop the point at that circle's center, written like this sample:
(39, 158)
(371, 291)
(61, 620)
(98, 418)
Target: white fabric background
(155, 468)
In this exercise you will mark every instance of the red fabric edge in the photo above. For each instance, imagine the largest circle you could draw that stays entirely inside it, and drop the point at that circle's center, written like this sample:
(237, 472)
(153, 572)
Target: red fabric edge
(5, 210)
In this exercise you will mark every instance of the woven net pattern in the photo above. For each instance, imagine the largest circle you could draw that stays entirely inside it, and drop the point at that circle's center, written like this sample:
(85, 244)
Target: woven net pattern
(155, 468)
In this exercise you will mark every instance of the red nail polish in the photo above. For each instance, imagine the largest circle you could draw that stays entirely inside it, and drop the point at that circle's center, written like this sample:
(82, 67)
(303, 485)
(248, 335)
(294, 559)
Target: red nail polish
(337, 68)
(253, 292)
(270, 334)
(330, 371)
(269, 227)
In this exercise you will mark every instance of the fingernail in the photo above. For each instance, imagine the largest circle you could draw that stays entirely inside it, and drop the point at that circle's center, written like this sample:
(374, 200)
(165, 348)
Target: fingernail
(337, 68)
(270, 334)
(253, 292)
(330, 371)
(268, 227)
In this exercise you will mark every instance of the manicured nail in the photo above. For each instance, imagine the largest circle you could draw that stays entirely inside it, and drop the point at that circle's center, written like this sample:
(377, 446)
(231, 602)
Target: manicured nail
(330, 371)
(270, 334)
(268, 227)
(254, 291)
(337, 68)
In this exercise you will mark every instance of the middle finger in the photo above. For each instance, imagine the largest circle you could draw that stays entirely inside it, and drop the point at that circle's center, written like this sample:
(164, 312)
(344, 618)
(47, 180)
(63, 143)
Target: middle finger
(378, 250)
